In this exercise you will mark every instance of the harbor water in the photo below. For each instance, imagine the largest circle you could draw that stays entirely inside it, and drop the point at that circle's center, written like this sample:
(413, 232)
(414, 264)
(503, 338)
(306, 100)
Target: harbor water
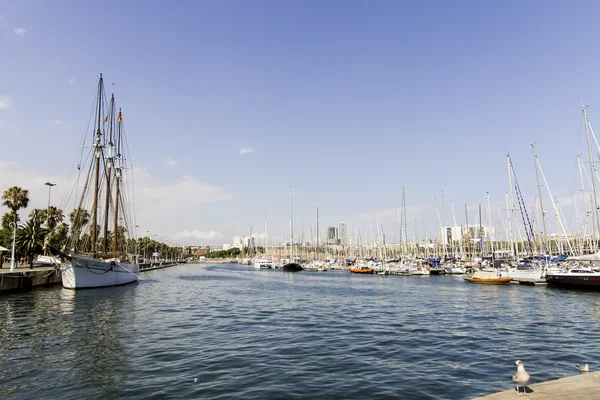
(229, 331)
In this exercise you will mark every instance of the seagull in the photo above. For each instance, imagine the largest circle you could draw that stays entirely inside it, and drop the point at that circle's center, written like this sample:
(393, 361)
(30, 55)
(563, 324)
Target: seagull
(584, 368)
(521, 377)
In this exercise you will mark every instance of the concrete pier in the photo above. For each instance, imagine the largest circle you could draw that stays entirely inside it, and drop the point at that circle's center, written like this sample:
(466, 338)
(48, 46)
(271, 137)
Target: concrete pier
(24, 279)
(581, 387)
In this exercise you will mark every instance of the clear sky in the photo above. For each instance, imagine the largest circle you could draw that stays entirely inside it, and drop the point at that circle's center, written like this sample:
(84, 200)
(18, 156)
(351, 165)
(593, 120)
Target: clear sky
(347, 101)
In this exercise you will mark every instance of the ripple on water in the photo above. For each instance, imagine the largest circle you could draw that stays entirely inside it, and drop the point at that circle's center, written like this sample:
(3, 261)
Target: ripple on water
(220, 332)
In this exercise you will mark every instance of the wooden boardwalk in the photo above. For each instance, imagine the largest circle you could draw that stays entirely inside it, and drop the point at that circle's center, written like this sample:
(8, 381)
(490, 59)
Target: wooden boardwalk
(583, 386)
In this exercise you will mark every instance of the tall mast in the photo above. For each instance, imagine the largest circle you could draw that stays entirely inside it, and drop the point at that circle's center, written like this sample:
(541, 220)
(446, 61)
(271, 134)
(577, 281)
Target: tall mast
(318, 258)
(585, 209)
(537, 177)
(480, 233)
(595, 206)
(266, 236)
(512, 207)
(291, 228)
(109, 160)
(489, 212)
(468, 235)
(98, 154)
(404, 237)
(117, 179)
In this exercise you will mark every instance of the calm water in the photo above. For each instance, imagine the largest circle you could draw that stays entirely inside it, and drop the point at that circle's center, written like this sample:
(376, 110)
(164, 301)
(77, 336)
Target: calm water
(201, 331)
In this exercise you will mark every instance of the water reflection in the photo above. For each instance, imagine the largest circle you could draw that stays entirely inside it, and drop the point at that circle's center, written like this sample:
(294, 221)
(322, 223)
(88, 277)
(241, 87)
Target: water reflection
(67, 301)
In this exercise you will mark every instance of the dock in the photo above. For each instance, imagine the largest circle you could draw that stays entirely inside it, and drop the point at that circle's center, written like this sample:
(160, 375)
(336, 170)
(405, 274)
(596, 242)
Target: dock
(582, 386)
(23, 279)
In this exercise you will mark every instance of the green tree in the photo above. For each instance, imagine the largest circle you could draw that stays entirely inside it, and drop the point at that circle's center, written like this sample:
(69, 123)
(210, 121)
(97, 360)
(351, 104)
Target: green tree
(52, 216)
(79, 218)
(15, 198)
(59, 239)
(30, 239)
(9, 218)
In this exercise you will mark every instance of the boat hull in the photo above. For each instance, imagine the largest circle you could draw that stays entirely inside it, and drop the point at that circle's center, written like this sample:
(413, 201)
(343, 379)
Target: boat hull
(87, 272)
(489, 281)
(574, 281)
(361, 270)
(292, 267)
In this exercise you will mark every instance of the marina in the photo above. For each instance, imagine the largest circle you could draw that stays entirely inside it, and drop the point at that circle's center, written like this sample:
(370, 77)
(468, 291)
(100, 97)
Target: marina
(299, 200)
(435, 337)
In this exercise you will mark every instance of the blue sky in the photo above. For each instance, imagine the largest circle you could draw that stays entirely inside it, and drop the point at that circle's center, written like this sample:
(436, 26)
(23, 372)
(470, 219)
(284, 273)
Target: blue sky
(347, 101)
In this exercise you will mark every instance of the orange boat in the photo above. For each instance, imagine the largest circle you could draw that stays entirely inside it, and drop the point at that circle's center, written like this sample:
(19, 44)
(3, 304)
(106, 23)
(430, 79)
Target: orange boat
(361, 269)
(487, 278)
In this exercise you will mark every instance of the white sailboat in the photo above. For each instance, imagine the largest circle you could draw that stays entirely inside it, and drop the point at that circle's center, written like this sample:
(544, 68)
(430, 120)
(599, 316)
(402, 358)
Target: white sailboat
(292, 266)
(264, 262)
(90, 261)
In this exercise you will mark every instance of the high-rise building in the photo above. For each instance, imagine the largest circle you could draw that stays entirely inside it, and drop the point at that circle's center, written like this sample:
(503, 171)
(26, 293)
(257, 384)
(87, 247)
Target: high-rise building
(242, 241)
(332, 235)
(343, 233)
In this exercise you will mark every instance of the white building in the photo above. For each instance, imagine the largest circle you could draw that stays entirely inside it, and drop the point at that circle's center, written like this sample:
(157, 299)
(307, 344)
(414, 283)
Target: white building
(457, 233)
(242, 241)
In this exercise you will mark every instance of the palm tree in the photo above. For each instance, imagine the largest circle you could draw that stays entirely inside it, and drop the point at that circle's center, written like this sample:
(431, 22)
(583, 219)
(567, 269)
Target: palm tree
(79, 218)
(30, 238)
(15, 198)
(52, 216)
(8, 218)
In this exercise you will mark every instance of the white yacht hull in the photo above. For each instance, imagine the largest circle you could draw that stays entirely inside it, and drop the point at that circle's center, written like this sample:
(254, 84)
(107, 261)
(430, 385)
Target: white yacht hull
(534, 274)
(87, 272)
(454, 270)
(263, 264)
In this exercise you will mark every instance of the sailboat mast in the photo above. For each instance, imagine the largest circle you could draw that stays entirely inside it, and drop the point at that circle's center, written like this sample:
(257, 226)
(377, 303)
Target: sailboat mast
(595, 206)
(480, 233)
(489, 212)
(109, 159)
(98, 154)
(537, 177)
(585, 209)
(468, 236)
(512, 207)
(117, 179)
(404, 237)
(318, 258)
(291, 228)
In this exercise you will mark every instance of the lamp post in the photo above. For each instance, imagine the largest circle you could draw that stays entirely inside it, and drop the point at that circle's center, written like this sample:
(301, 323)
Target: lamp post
(49, 190)
(137, 246)
(12, 258)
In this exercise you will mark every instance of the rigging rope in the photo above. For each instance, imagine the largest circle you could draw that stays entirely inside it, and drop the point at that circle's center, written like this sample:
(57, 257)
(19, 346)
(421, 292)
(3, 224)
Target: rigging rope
(523, 209)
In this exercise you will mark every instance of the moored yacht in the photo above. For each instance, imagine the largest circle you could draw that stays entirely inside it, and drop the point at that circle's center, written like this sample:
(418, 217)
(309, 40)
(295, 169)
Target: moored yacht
(578, 277)
(263, 263)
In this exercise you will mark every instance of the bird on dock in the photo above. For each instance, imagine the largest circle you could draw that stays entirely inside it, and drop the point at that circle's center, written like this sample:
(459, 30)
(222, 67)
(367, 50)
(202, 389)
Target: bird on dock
(583, 368)
(521, 377)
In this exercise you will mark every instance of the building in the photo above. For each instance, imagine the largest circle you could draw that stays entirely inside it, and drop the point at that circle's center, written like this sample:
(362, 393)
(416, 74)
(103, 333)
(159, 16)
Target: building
(343, 233)
(242, 241)
(458, 233)
(332, 235)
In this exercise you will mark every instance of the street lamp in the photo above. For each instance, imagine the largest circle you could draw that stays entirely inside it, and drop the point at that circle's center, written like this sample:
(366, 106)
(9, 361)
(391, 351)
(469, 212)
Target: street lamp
(12, 258)
(49, 190)
(137, 246)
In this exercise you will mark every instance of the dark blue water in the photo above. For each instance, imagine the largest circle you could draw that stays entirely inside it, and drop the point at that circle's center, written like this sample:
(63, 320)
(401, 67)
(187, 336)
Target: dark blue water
(232, 332)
